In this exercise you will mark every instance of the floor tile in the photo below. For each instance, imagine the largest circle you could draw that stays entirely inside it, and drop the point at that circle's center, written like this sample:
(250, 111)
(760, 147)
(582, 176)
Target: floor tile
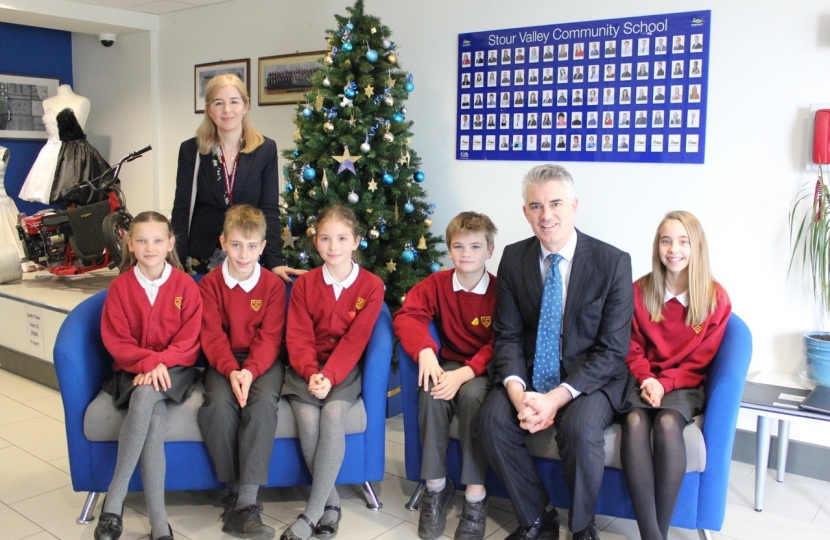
(15, 526)
(14, 411)
(744, 523)
(42, 535)
(823, 514)
(404, 531)
(627, 528)
(61, 463)
(394, 429)
(22, 476)
(21, 389)
(360, 523)
(50, 406)
(43, 437)
(57, 510)
(394, 493)
(797, 497)
(394, 459)
(4, 443)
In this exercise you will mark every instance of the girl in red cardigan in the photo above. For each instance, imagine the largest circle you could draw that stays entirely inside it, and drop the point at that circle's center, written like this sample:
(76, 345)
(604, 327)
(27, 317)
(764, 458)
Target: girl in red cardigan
(331, 315)
(150, 325)
(680, 315)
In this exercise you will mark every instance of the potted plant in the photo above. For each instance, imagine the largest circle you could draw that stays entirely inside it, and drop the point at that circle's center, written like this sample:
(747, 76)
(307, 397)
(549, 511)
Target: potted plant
(811, 245)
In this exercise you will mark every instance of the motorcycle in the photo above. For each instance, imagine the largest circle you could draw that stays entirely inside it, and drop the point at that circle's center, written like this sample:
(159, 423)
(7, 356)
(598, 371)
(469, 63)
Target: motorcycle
(84, 238)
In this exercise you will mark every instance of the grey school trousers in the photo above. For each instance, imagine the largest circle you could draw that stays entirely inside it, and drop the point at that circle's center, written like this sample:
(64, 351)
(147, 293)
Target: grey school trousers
(434, 417)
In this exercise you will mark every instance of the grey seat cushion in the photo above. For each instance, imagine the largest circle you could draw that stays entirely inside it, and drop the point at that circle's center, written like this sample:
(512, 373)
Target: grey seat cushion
(102, 421)
(543, 444)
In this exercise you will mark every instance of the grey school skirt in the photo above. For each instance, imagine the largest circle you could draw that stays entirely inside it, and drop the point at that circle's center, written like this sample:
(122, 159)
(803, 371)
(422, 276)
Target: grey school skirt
(348, 390)
(687, 401)
(182, 381)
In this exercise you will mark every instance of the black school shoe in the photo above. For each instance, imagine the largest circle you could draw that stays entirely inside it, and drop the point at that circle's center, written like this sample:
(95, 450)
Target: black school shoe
(328, 529)
(166, 536)
(246, 523)
(546, 527)
(588, 533)
(433, 518)
(228, 505)
(473, 520)
(109, 527)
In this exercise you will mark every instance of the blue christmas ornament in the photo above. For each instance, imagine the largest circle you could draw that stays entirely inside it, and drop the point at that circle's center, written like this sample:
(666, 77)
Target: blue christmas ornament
(349, 26)
(407, 256)
(349, 93)
(364, 244)
(295, 154)
(409, 86)
(382, 229)
(388, 179)
(309, 173)
(434, 267)
(347, 46)
(303, 257)
(398, 118)
(409, 208)
(419, 177)
(372, 55)
(307, 112)
(289, 187)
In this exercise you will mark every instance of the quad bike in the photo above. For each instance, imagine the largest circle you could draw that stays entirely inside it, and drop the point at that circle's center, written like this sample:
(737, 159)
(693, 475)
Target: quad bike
(84, 238)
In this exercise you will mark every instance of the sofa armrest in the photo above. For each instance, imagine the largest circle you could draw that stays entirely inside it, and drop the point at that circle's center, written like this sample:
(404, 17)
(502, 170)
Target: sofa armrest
(376, 362)
(724, 387)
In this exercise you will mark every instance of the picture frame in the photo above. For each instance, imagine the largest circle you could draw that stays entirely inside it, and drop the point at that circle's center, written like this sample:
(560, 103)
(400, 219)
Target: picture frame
(21, 105)
(202, 73)
(285, 79)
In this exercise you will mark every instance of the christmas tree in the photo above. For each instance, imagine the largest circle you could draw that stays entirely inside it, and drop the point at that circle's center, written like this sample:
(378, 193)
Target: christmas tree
(353, 148)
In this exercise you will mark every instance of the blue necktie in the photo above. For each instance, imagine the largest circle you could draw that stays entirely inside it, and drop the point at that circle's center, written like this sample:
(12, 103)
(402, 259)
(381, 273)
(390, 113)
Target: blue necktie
(546, 363)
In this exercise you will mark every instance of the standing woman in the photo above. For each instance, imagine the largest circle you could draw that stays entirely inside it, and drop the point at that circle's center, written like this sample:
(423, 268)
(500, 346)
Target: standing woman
(680, 315)
(237, 165)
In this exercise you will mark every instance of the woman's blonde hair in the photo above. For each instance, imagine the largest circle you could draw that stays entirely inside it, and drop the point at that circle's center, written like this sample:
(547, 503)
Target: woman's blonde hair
(702, 294)
(207, 137)
(128, 259)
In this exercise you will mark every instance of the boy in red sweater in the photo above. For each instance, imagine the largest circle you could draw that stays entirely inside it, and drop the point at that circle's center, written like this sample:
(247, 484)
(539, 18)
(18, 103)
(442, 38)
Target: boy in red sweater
(242, 335)
(461, 302)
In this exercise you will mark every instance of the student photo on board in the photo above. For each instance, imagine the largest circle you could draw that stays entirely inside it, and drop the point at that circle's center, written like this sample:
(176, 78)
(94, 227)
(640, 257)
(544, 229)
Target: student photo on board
(492, 57)
(505, 142)
(519, 76)
(532, 100)
(576, 143)
(591, 145)
(592, 119)
(531, 143)
(642, 95)
(533, 76)
(479, 81)
(642, 120)
(547, 97)
(520, 55)
(627, 49)
(465, 101)
(695, 69)
(491, 79)
(697, 42)
(560, 142)
(677, 93)
(679, 44)
(561, 120)
(531, 120)
(593, 52)
(479, 58)
(607, 143)
(608, 96)
(478, 122)
(609, 73)
(491, 121)
(465, 80)
(593, 99)
(518, 121)
(677, 69)
(491, 100)
(577, 97)
(479, 101)
(534, 54)
(465, 60)
(465, 121)
(505, 77)
(660, 46)
(546, 121)
(563, 51)
(642, 47)
(505, 99)
(694, 93)
(642, 71)
(547, 75)
(546, 142)
(625, 72)
(610, 49)
(625, 119)
(659, 95)
(563, 75)
(504, 120)
(593, 75)
(675, 120)
(579, 53)
(625, 95)
(576, 119)
(608, 119)
(561, 97)
(693, 118)
(548, 53)
(657, 119)
(505, 56)
(518, 99)
(578, 76)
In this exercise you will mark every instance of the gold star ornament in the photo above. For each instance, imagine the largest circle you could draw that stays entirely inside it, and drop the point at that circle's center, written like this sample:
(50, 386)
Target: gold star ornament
(373, 186)
(287, 239)
(369, 90)
(373, 30)
(391, 266)
(346, 161)
(297, 135)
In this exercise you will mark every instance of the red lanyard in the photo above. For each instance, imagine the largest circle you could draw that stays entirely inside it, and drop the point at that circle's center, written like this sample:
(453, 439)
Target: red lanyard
(230, 178)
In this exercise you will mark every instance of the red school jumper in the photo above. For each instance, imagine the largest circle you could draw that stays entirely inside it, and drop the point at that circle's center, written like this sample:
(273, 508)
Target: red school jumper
(331, 333)
(675, 354)
(235, 321)
(140, 336)
(464, 320)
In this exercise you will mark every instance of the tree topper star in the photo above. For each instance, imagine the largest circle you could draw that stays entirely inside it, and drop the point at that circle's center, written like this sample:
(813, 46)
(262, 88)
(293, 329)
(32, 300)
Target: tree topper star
(346, 161)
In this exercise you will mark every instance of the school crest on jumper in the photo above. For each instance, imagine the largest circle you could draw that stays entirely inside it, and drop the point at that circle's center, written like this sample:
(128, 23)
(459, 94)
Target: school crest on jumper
(486, 320)
(361, 303)
(178, 302)
(256, 304)
(697, 328)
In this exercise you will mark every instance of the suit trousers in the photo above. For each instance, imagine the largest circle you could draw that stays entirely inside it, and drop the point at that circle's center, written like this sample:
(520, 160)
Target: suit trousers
(240, 440)
(434, 418)
(580, 436)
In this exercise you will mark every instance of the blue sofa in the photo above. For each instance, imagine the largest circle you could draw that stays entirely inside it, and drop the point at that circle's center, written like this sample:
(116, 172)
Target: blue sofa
(92, 423)
(709, 440)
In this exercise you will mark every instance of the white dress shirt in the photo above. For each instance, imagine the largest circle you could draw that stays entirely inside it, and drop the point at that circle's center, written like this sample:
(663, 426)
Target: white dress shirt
(480, 288)
(338, 286)
(151, 286)
(246, 285)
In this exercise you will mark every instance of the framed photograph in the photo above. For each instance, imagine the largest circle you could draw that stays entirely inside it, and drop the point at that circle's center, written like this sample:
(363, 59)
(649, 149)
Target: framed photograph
(285, 79)
(205, 72)
(21, 105)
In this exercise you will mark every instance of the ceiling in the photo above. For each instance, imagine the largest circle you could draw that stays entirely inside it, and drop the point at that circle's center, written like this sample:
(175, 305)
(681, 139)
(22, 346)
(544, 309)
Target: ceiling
(157, 7)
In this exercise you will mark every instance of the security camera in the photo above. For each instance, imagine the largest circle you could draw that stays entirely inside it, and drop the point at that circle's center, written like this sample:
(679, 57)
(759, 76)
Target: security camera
(107, 40)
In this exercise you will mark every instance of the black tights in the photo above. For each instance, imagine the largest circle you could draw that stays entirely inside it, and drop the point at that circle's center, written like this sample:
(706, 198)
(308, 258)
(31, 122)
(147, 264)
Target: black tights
(653, 477)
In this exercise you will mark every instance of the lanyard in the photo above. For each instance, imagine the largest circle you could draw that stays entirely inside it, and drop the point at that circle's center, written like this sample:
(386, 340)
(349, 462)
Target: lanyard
(230, 178)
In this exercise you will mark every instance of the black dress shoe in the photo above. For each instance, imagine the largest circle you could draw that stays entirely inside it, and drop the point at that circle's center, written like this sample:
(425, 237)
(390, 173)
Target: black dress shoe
(166, 536)
(433, 518)
(246, 523)
(546, 527)
(473, 520)
(328, 529)
(588, 533)
(109, 527)
(288, 534)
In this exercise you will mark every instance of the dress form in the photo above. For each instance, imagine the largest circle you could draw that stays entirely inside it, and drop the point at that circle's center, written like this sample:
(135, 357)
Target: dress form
(67, 98)
(38, 183)
(8, 210)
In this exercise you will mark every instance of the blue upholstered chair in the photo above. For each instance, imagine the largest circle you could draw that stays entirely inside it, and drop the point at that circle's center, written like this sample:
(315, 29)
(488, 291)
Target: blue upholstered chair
(92, 422)
(709, 440)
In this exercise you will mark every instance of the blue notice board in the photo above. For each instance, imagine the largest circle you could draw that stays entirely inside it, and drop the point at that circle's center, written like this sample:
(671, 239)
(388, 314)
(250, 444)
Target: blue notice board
(631, 89)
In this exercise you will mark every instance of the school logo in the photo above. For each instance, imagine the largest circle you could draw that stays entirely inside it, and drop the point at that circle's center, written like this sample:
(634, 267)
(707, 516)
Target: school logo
(178, 302)
(361, 303)
(486, 321)
(353, 314)
(475, 322)
(697, 328)
(256, 304)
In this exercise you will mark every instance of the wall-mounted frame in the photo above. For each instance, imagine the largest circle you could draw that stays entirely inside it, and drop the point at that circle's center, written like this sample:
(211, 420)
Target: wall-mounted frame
(21, 105)
(202, 73)
(284, 79)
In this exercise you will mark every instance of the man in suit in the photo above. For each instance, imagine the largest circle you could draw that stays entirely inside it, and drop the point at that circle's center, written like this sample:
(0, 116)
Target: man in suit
(574, 293)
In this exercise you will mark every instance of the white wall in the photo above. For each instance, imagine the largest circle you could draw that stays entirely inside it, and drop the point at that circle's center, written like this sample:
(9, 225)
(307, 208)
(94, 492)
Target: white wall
(768, 62)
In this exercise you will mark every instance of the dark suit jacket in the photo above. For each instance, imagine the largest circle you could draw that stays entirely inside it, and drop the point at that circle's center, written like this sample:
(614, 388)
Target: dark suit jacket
(257, 184)
(596, 324)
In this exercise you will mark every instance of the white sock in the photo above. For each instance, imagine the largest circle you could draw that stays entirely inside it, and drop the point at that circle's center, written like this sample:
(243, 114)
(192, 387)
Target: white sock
(436, 485)
(475, 498)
